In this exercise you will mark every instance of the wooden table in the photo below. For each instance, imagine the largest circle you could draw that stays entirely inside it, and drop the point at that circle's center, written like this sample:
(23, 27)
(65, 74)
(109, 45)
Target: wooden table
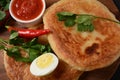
(101, 74)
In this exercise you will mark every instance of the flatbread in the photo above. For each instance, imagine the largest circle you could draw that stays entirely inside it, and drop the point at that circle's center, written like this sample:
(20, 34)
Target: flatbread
(83, 50)
(20, 71)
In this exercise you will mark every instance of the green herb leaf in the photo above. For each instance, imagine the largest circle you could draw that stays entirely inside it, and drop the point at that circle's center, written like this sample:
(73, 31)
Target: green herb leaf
(32, 48)
(31, 43)
(15, 39)
(2, 44)
(13, 35)
(2, 15)
(65, 14)
(84, 21)
(13, 52)
(3, 3)
(2, 47)
(33, 53)
(80, 27)
(91, 28)
(69, 18)
(6, 6)
(70, 21)
(61, 17)
(36, 49)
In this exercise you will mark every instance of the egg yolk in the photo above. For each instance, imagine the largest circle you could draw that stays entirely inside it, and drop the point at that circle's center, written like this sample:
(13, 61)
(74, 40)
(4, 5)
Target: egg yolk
(44, 61)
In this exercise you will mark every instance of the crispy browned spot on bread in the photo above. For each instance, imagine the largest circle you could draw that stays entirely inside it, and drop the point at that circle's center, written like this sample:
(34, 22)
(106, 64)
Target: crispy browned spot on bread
(92, 49)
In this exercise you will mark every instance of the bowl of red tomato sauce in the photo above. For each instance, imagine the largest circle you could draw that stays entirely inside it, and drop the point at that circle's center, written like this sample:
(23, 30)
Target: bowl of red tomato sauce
(28, 12)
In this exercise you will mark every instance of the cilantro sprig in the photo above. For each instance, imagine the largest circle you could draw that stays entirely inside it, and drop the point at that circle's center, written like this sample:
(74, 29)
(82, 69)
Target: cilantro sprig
(32, 48)
(84, 22)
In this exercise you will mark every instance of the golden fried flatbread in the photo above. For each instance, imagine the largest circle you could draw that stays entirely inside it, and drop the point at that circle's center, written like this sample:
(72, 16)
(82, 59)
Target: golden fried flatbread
(20, 71)
(83, 50)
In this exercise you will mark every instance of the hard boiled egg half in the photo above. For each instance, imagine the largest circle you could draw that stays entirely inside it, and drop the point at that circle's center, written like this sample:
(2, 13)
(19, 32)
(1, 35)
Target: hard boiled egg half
(44, 64)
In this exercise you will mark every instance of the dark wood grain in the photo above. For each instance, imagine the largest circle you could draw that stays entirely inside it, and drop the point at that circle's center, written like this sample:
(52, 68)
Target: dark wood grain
(101, 74)
(111, 6)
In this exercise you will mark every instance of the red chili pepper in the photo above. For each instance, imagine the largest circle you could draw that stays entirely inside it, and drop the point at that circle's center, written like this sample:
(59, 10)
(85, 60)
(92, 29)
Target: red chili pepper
(28, 33)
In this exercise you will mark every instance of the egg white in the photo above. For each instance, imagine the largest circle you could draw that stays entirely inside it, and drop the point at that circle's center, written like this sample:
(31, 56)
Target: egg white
(35, 70)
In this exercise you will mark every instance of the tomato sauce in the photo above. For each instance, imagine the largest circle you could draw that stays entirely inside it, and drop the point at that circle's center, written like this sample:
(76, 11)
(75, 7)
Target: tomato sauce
(27, 9)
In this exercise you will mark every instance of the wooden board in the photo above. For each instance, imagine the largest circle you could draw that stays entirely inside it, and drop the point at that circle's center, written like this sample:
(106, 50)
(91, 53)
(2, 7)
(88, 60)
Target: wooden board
(101, 74)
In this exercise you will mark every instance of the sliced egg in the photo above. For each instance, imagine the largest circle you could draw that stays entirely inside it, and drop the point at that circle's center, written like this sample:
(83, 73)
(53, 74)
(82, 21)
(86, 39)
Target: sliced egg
(44, 64)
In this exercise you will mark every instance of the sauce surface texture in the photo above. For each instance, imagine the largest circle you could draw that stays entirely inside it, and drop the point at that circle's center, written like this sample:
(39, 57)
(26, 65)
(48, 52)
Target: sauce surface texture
(27, 9)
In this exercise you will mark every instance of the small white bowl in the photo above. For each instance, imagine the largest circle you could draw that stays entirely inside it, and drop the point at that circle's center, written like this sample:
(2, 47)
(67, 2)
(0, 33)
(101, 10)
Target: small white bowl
(28, 23)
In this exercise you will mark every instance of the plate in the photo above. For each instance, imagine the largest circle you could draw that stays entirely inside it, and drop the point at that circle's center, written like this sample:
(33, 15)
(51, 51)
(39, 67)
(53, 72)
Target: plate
(101, 74)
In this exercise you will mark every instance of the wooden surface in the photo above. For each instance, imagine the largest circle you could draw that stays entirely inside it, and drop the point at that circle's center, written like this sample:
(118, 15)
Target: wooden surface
(101, 74)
